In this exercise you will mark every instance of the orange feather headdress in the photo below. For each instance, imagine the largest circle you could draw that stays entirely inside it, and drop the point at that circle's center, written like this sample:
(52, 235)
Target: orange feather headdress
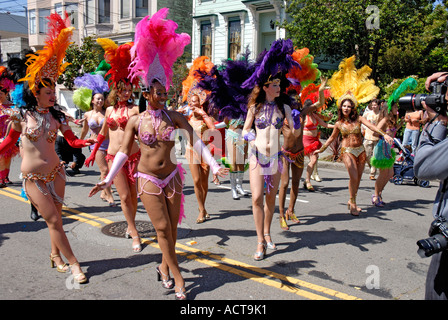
(306, 73)
(119, 59)
(48, 63)
(200, 64)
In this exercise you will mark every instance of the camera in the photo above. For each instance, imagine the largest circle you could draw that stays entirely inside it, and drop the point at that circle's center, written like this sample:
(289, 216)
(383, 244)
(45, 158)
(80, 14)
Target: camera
(437, 241)
(436, 100)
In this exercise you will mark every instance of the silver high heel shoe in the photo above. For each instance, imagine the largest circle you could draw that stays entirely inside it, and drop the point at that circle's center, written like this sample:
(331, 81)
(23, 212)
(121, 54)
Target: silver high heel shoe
(167, 284)
(271, 245)
(259, 255)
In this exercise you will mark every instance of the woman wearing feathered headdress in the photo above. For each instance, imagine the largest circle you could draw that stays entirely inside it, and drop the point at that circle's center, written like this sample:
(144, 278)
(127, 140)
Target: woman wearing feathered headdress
(89, 97)
(37, 125)
(6, 86)
(229, 101)
(159, 177)
(117, 115)
(200, 121)
(384, 155)
(267, 110)
(351, 86)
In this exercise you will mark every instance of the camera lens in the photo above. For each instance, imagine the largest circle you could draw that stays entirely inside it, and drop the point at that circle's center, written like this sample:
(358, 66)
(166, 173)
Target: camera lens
(427, 247)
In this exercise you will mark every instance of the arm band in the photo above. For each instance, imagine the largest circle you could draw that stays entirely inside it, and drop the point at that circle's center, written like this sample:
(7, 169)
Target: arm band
(73, 141)
(202, 150)
(10, 140)
(119, 161)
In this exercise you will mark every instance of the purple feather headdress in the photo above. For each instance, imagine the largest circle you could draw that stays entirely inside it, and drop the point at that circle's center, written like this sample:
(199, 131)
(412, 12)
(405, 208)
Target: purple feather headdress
(156, 47)
(227, 98)
(276, 61)
(94, 82)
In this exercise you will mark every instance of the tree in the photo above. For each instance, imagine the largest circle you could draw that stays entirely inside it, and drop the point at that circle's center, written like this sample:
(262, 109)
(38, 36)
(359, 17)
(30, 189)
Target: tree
(395, 38)
(83, 59)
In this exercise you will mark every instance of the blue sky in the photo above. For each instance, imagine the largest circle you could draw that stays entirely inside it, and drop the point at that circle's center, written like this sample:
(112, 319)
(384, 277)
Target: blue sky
(13, 6)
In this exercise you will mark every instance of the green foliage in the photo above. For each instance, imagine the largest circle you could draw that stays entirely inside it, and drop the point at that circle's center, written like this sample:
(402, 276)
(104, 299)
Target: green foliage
(83, 59)
(410, 37)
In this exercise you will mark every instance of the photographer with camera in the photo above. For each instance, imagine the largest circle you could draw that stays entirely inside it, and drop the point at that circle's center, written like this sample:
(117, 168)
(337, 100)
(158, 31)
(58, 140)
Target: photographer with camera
(431, 164)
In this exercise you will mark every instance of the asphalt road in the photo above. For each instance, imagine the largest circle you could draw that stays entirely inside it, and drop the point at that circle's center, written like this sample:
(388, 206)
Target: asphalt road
(329, 255)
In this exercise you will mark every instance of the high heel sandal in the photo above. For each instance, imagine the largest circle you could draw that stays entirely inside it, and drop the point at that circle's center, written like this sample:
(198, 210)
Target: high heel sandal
(271, 245)
(204, 218)
(308, 186)
(167, 284)
(137, 248)
(259, 255)
(62, 268)
(283, 224)
(377, 202)
(181, 294)
(292, 216)
(79, 277)
(355, 211)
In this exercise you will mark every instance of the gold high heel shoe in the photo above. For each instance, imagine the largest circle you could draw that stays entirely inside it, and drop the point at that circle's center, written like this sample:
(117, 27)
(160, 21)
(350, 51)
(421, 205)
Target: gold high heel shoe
(79, 277)
(63, 268)
(291, 216)
(283, 224)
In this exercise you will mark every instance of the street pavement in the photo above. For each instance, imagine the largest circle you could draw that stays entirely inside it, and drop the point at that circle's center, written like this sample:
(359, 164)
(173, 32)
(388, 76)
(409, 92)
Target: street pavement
(329, 255)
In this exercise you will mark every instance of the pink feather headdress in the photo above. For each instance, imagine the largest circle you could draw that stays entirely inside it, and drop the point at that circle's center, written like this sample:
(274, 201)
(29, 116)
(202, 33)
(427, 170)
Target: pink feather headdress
(156, 47)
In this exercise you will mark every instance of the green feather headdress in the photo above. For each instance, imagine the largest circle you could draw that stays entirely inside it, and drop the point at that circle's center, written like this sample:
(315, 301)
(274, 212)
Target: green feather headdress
(407, 85)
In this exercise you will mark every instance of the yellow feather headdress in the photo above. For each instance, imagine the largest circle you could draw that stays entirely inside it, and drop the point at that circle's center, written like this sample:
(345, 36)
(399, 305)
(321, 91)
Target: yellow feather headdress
(351, 83)
(48, 63)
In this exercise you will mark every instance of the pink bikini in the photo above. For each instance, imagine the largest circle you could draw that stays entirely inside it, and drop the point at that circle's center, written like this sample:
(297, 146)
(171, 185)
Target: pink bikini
(171, 181)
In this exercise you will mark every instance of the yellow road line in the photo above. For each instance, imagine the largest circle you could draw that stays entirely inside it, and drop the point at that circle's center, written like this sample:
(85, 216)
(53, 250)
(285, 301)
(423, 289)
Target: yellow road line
(225, 264)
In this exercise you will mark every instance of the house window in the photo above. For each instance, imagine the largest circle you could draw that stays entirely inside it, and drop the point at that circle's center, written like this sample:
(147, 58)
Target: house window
(125, 10)
(141, 8)
(206, 39)
(234, 38)
(90, 11)
(72, 11)
(58, 8)
(43, 21)
(32, 21)
(104, 11)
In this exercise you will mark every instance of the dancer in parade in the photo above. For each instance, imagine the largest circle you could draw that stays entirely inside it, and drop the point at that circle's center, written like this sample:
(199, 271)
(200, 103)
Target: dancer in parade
(6, 86)
(89, 97)
(293, 150)
(267, 110)
(201, 122)
(37, 125)
(159, 177)
(117, 115)
(344, 86)
(384, 155)
(228, 100)
(200, 170)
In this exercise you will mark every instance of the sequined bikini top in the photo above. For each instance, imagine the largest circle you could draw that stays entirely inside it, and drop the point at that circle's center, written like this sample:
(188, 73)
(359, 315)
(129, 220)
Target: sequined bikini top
(149, 138)
(346, 130)
(42, 126)
(121, 121)
(265, 120)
